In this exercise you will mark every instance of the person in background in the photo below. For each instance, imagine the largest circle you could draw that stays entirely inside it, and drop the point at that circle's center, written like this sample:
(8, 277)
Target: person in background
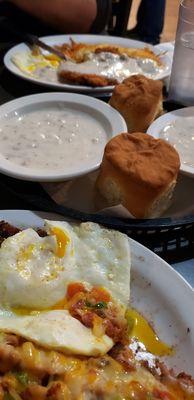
(150, 21)
(66, 16)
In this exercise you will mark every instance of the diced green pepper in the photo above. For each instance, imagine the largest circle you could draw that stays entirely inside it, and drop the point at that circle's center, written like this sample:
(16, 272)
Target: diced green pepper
(101, 304)
(22, 377)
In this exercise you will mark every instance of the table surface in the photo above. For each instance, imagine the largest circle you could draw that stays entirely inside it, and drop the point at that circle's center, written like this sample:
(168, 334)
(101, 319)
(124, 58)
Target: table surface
(12, 87)
(186, 269)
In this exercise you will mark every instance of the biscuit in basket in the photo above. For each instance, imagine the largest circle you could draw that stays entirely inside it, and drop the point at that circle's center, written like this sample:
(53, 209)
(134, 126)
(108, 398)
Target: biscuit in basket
(139, 101)
(139, 172)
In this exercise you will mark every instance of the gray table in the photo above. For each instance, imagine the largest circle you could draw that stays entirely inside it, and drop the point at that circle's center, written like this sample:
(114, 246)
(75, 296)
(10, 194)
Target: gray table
(186, 269)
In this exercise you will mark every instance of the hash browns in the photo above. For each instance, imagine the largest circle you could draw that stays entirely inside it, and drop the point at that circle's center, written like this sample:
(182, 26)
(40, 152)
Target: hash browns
(79, 51)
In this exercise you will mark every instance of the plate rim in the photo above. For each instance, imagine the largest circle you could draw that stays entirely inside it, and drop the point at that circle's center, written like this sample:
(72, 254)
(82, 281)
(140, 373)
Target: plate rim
(115, 119)
(161, 121)
(77, 88)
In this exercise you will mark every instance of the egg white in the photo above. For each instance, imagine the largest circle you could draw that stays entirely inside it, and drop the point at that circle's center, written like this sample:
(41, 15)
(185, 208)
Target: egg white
(101, 257)
(57, 330)
(29, 63)
(31, 274)
(105, 260)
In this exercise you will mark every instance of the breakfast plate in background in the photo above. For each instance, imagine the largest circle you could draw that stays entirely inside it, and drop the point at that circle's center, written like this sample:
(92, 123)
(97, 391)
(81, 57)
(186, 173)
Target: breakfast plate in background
(155, 292)
(177, 127)
(23, 50)
(55, 136)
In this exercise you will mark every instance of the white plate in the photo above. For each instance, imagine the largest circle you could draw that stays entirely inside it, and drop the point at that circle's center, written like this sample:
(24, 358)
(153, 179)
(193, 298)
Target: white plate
(109, 119)
(159, 124)
(157, 291)
(60, 39)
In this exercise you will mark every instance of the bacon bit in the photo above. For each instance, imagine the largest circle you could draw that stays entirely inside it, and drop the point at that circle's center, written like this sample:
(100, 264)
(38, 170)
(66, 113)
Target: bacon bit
(11, 339)
(165, 372)
(163, 395)
(58, 391)
(54, 391)
(7, 230)
(98, 327)
(88, 318)
(1, 393)
(124, 356)
(185, 377)
(74, 288)
(77, 309)
(41, 232)
(137, 391)
(100, 294)
(34, 392)
(113, 330)
(9, 358)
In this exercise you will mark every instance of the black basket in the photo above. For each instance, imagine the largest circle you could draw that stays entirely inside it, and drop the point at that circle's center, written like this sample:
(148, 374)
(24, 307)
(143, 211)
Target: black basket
(172, 239)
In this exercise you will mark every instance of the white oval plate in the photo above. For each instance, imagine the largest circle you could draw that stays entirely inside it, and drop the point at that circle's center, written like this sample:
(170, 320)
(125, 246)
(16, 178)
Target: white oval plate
(157, 291)
(159, 124)
(91, 39)
(109, 118)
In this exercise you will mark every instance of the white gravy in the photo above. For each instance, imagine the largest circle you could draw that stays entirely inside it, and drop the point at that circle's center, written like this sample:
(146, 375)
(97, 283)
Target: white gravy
(47, 74)
(52, 140)
(180, 133)
(112, 66)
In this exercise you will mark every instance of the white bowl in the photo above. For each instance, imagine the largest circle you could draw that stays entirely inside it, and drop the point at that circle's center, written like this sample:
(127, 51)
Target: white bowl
(160, 123)
(110, 120)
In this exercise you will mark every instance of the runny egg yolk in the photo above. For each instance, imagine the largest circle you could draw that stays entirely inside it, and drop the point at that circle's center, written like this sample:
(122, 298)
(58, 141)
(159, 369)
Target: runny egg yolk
(61, 305)
(23, 311)
(63, 241)
(143, 332)
(54, 60)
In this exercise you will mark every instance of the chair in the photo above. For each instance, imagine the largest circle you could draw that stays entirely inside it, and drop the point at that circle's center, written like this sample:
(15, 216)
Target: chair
(119, 18)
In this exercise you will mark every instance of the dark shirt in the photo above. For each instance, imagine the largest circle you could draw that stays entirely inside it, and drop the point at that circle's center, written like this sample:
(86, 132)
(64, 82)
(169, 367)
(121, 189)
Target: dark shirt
(30, 24)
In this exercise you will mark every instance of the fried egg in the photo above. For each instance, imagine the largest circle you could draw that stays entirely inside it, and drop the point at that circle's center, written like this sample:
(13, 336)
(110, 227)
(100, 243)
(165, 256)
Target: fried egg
(28, 62)
(35, 272)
